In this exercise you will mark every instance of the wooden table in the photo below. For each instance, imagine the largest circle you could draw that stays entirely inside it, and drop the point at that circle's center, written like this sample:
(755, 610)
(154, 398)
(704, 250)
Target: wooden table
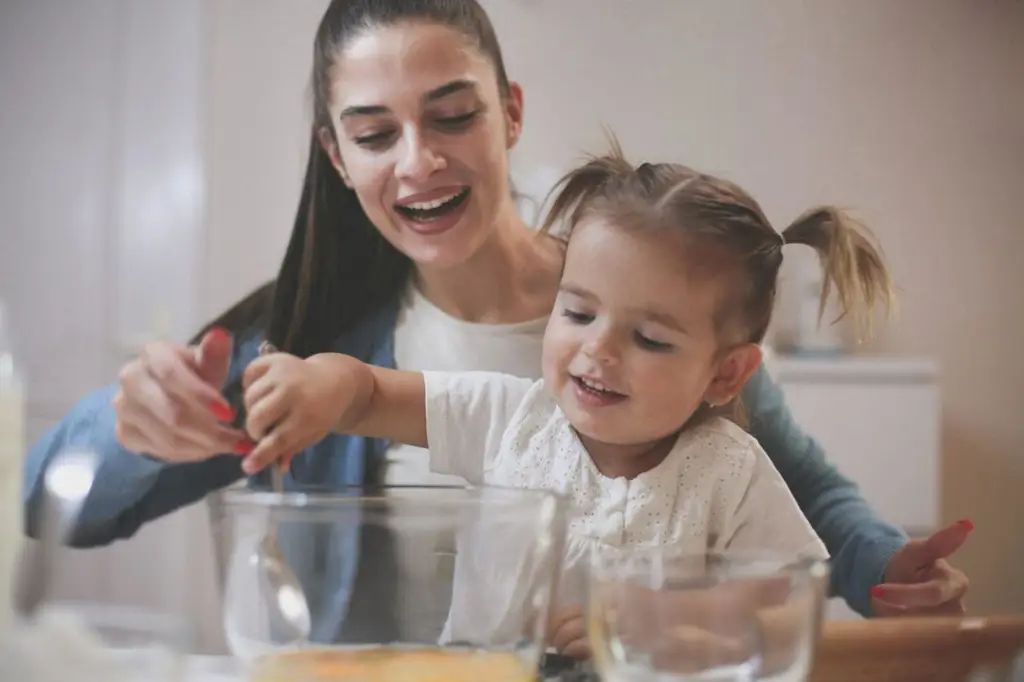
(877, 650)
(912, 649)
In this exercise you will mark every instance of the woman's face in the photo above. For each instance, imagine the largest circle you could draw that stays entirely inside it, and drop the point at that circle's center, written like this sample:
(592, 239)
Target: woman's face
(423, 135)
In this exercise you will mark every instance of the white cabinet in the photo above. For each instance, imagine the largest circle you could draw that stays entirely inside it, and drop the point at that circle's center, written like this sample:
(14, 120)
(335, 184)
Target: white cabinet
(878, 419)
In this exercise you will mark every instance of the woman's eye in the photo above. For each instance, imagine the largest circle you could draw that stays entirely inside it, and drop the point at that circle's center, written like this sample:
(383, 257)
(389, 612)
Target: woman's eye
(372, 140)
(459, 122)
(577, 317)
(648, 343)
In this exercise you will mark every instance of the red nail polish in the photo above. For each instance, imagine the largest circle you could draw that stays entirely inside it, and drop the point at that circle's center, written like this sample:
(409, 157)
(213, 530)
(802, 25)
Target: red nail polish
(221, 410)
(244, 447)
(219, 334)
(877, 591)
(966, 523)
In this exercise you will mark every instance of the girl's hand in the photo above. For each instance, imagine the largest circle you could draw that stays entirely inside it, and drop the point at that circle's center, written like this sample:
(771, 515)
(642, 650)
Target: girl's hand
(291, 404)
(568, 633)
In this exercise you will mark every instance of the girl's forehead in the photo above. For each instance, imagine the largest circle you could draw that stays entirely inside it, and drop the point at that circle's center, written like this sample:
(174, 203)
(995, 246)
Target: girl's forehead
(640, 269)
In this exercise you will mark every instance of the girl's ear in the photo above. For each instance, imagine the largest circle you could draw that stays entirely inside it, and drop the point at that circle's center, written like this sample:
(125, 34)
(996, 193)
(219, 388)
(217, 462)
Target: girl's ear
(733, 372)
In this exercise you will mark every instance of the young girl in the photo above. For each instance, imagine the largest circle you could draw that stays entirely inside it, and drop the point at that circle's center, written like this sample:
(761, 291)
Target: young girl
(667, 292)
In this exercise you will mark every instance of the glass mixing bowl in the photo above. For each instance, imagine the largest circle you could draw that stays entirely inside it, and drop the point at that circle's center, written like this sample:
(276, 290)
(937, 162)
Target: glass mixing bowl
(411, 583)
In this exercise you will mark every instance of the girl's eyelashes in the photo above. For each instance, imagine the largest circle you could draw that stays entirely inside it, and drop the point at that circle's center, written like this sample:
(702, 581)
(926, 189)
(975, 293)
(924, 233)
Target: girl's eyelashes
(648, 343)
(577, 317)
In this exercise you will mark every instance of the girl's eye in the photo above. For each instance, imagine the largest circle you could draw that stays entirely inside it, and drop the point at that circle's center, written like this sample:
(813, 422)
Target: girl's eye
(650, 344)
(577, 317)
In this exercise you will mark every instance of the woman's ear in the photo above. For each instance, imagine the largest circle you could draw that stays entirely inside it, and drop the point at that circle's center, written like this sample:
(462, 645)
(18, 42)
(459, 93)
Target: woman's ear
(733, 372)
(330, 147)
(513, 114)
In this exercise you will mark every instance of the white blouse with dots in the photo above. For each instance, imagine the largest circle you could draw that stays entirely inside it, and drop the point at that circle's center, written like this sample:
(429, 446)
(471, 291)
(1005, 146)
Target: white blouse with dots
(716, 490)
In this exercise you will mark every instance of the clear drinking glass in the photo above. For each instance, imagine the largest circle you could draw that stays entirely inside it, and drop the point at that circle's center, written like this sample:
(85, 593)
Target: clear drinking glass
(663, 615)
(89, 642)
(452, 582)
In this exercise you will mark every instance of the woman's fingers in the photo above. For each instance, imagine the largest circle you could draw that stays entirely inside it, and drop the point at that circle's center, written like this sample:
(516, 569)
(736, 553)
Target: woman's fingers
(922, 595)
(941, 591)
(190, 437)
(213, 357)
(156, 420)
(169, 367)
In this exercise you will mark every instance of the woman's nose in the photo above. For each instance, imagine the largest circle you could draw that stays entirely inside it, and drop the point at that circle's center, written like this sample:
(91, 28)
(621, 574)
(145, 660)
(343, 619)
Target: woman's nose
(419, 159)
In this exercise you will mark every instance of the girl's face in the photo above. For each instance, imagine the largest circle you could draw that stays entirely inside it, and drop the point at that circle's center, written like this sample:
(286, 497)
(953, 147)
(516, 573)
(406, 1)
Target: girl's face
(632, 348)
(423, 134)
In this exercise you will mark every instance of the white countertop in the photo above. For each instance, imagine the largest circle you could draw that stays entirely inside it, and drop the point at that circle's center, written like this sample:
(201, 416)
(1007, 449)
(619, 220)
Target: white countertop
(853, 369)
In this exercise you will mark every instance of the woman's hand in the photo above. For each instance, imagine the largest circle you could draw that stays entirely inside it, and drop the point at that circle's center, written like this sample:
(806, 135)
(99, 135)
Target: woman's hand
(169, 405)
(920, 582)
(293, 403)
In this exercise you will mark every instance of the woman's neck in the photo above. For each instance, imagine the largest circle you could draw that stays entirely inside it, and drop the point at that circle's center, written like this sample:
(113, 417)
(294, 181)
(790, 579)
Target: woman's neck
(513, 277)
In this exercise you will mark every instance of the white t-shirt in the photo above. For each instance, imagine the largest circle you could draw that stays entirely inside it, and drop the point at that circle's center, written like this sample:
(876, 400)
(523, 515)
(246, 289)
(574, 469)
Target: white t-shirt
(716, 489)
(427, 338)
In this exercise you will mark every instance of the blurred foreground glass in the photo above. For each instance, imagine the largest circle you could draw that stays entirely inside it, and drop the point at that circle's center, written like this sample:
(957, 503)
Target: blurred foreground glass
(453, 583)
(660, 615)
(95, 643)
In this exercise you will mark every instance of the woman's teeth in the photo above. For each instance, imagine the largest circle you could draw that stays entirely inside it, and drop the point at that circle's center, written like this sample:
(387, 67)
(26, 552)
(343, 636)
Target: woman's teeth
(436, 203)
(424, 211)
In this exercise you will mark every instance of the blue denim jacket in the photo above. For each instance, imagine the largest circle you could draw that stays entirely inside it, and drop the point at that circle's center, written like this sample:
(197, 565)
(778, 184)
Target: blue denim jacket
(132, 489)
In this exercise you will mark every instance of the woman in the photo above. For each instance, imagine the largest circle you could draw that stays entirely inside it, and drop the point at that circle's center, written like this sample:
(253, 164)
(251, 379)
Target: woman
(407, 250)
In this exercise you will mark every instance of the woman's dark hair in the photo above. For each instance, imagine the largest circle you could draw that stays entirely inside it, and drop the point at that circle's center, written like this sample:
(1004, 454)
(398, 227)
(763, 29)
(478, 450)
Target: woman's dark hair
(337, 267)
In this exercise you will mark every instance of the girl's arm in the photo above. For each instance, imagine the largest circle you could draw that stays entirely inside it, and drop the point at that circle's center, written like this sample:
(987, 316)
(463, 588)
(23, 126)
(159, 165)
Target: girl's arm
(384, 403)
(293, 403)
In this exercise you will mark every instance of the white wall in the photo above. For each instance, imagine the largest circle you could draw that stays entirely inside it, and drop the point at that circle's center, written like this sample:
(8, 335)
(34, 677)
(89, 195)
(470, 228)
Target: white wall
(257, 127)
(102, 236)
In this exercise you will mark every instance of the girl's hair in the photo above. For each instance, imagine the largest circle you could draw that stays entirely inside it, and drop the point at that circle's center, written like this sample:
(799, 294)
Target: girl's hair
(338, 268)
(725, 223)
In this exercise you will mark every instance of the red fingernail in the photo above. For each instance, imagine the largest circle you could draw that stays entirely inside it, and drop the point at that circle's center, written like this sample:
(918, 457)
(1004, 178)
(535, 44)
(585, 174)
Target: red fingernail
(966, 523)
(222, 411)
(244, 447)
(219, 334)
(877, 591)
